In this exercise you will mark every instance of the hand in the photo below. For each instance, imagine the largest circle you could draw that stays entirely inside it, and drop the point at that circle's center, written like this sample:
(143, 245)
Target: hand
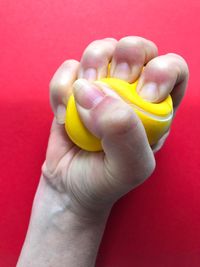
(94, 181)
(78, 188)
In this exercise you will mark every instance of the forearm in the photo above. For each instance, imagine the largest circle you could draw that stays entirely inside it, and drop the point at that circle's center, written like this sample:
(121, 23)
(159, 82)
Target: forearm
(57, 237)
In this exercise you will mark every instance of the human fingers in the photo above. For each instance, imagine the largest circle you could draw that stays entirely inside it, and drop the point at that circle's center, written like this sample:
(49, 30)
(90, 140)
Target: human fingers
(95, 59)
(164, 75)
(130, 56)
(127, 58)
(61, 88)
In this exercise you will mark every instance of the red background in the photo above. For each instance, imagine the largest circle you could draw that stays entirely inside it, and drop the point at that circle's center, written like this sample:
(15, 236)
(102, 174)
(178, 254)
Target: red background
(157, 224)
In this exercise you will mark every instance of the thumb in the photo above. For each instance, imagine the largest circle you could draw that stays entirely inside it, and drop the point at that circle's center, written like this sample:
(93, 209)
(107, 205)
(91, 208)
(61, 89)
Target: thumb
(128, 156)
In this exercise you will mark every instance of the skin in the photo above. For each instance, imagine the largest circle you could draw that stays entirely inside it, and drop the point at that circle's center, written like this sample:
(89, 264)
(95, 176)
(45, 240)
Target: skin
(77, 189)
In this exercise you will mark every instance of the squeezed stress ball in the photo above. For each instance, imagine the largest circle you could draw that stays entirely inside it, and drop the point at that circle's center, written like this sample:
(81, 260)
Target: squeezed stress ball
(156, 117)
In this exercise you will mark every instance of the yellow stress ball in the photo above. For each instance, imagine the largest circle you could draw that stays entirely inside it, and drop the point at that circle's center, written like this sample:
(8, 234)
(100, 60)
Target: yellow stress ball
(156, 117)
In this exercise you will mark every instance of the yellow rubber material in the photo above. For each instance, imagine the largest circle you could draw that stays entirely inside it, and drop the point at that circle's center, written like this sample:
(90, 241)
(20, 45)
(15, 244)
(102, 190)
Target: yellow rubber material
(156, 117)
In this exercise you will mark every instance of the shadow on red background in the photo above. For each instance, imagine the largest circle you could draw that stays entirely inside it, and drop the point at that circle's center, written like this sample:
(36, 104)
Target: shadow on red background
(158, 224)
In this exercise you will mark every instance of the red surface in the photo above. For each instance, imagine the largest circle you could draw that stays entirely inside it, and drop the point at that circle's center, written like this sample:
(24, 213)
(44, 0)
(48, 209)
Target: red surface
(158, 224)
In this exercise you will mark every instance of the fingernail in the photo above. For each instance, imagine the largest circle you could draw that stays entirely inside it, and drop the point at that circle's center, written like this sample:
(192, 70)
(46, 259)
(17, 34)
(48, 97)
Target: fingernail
(122, 71)
(86, 94)
(89, 74)
(60, 114)
(149, 92)
(107, 91)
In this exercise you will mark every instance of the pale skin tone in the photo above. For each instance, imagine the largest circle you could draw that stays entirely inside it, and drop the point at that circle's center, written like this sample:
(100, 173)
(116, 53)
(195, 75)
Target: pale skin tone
(77, 188)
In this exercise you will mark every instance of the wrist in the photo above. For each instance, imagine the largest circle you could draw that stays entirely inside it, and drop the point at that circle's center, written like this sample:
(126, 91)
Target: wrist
(57, 234)
(56, 207)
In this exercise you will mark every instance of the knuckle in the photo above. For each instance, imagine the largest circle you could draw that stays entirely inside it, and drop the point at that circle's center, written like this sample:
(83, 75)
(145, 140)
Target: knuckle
(95, 48)
(60, 85)
(154, 48)
(135, 49)
(176, 56)
(113, 40)
(95, 52)
(68, 63)
(180, 58)
(133, 40)
(120, 121)
(162, 65)
(139, 42)
(98, 52)
(180, 64)
(132, 49)
(93, 57)
(62, 78)
(54, 87)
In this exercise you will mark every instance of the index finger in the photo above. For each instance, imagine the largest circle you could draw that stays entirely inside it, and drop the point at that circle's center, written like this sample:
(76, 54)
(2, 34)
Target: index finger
(61, 88)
